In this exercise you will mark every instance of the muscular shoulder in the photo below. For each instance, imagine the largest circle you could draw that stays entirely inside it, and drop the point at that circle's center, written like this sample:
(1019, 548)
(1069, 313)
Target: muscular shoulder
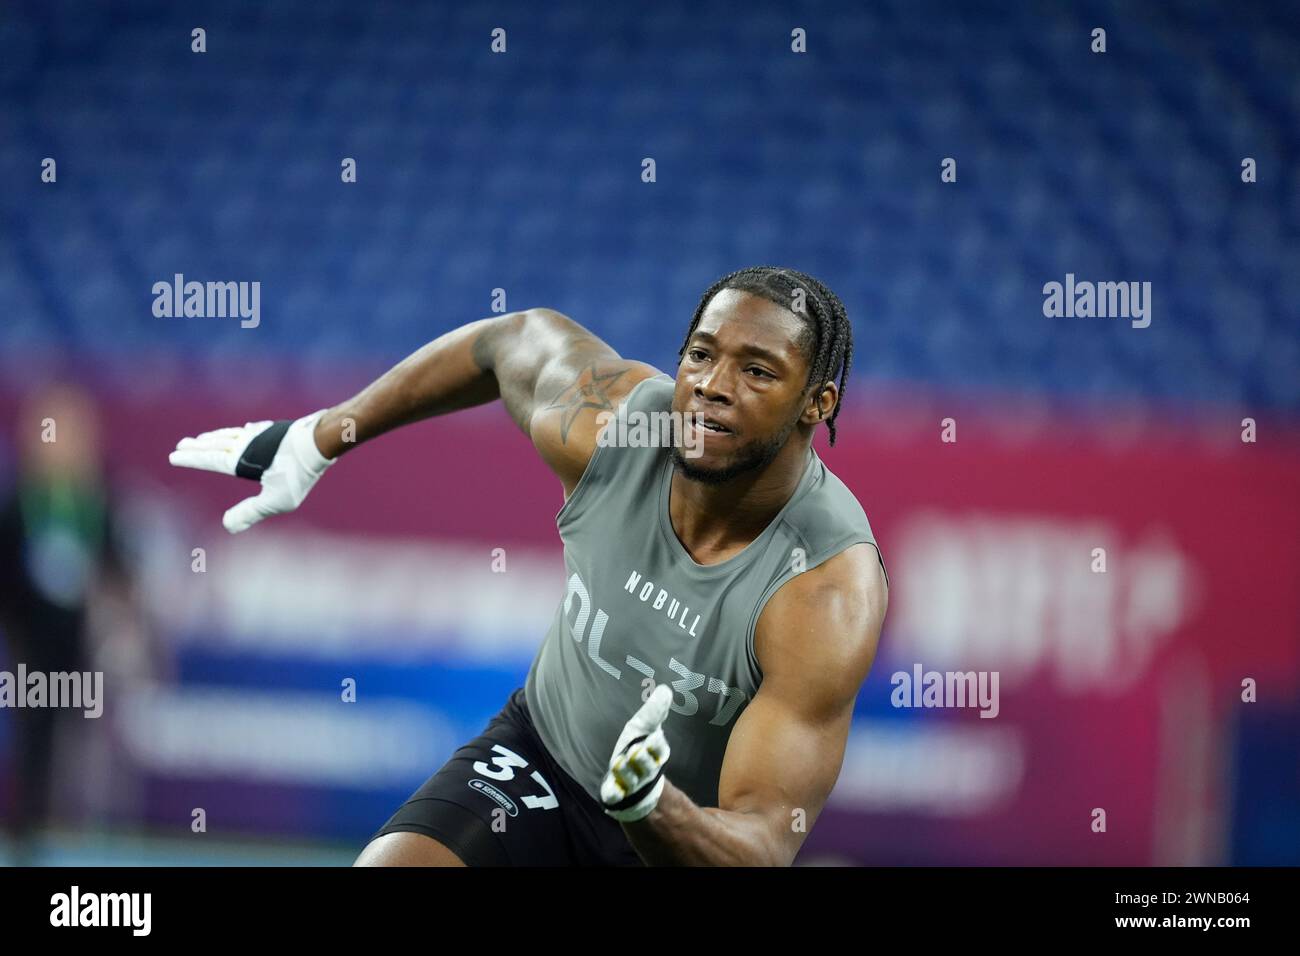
(596, 385)
(817, 636)
(582, 378)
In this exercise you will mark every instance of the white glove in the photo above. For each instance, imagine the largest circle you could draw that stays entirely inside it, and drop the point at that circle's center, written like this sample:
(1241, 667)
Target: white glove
(634, 782)
(282, 455)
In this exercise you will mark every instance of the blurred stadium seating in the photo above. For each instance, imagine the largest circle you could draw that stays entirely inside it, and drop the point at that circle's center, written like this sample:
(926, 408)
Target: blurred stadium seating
(521, 172)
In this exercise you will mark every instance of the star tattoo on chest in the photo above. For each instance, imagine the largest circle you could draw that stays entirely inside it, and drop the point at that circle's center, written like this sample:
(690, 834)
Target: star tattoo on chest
(589, 390)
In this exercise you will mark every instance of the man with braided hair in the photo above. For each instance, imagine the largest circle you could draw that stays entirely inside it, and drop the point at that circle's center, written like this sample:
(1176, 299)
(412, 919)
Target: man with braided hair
(724, 595)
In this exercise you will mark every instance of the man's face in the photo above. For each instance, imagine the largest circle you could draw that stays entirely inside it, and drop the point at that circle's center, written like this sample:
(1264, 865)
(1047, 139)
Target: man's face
(743, 371)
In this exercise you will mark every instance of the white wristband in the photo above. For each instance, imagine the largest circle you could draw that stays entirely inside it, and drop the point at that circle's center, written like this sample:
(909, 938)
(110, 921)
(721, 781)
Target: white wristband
(304, 442)
(644, 807)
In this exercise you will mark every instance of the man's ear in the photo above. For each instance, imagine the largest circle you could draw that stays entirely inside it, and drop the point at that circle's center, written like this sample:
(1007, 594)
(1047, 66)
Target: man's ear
(821, 403)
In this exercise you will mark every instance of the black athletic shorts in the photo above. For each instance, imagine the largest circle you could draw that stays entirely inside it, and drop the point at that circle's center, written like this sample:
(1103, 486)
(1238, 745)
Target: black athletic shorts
(501, 800)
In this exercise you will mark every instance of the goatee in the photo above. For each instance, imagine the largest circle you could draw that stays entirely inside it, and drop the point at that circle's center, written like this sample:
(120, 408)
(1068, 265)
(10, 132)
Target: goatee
(752, 457)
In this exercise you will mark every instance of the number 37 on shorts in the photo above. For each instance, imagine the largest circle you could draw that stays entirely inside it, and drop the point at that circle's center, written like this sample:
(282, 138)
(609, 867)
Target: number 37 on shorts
(506, 763)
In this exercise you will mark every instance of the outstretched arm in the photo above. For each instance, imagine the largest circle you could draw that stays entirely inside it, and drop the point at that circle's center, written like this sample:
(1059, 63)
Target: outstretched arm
(553, 376)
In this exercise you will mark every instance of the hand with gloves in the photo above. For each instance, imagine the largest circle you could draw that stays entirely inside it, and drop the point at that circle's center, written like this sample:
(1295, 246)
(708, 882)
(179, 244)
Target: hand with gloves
(634, 782)
(282, 455)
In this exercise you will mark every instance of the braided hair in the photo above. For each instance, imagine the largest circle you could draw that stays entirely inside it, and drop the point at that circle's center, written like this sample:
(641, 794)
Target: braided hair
(827, 338)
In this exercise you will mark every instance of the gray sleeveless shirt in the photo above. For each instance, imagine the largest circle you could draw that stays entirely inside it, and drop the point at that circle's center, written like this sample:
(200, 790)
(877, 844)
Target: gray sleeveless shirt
(637, 609)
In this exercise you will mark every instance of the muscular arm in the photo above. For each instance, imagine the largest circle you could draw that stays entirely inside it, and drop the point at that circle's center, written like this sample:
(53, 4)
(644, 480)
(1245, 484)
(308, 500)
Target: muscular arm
(553, 376)
(815, 642)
